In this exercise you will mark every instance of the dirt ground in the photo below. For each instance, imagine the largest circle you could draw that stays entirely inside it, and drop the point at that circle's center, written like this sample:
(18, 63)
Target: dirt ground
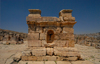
(8, 51)
(89, 53)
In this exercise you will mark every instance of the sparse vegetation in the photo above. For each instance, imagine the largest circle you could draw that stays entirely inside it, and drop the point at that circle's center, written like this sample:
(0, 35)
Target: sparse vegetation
(26, 62)
(55, 62)
(92, 56)
(46, 60)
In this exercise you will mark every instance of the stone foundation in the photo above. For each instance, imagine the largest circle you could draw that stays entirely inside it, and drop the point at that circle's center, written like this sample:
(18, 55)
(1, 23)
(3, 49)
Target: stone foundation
(51, 54)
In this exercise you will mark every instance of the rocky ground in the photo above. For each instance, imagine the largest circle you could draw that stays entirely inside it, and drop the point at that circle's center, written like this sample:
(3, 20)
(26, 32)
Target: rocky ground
(89, 53)
(8, 51)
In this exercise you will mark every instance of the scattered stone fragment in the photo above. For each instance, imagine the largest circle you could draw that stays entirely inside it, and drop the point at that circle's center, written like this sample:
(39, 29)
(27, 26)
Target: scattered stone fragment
(17, 56)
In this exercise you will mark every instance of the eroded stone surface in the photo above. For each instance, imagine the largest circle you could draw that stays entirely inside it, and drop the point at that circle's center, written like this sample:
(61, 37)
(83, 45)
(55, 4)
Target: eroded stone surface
(39, 52)
(63, 62)
(50, 51)
(49, 62)
(81, 62)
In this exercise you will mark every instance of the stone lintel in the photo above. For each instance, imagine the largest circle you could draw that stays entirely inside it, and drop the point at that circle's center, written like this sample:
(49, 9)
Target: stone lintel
(51, 23)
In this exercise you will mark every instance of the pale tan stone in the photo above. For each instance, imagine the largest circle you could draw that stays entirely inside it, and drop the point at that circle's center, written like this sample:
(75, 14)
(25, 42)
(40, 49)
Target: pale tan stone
(58, 30)
(69, 18)
(33, 36)
(50, 62)
(51, 45)
(35, 43)
(17, 56)
(38, 62)
(66, 51)
(64, 36)
(42, 36)
(81, 62)
(63, 62)
(22, 62)
(26, 53)
(81, 57)
(31, 58)
(60, 43)
(51, 58)
(58, 58)
(44, 43)
(49, 51)
(40, 58)
(11, 42)
(39, 52)
(71, 43)
(56, 37)
(66, 30)
(24, 58)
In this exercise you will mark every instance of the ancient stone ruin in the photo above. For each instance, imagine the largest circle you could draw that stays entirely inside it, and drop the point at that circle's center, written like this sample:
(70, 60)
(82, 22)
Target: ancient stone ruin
(12, 37)
(88, 39)
(50, 30)
(50, 38)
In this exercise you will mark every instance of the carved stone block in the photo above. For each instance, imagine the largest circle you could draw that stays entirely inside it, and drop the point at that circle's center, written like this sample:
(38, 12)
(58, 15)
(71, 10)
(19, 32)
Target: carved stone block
(42, 36)
(34, 43)
(39, 52)
(60, 43)
(33, 36)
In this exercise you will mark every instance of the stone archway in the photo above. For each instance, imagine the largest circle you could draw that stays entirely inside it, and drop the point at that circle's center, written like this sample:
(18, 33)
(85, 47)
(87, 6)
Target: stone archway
(50, 36)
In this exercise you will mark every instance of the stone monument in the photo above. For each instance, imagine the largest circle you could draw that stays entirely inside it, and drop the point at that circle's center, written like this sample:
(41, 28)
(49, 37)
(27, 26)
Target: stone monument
(50, 38)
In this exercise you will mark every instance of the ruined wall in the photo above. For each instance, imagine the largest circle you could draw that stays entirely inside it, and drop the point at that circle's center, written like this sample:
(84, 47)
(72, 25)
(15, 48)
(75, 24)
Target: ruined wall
(45, 30)
(12, 37)
(88, 39)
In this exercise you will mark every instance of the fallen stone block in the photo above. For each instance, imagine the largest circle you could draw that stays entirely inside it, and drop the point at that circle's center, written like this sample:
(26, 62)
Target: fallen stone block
(81, 57)
(26, 53)
(17, 56)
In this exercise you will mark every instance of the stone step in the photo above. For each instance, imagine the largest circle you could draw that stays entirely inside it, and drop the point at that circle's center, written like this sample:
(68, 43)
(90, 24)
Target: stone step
(55, 62)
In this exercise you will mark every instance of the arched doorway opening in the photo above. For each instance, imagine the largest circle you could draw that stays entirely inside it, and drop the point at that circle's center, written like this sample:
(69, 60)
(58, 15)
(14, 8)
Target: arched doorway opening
(50, 36)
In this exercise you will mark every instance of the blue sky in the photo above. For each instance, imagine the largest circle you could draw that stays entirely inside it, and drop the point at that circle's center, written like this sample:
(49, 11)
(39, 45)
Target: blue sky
(86, 12)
